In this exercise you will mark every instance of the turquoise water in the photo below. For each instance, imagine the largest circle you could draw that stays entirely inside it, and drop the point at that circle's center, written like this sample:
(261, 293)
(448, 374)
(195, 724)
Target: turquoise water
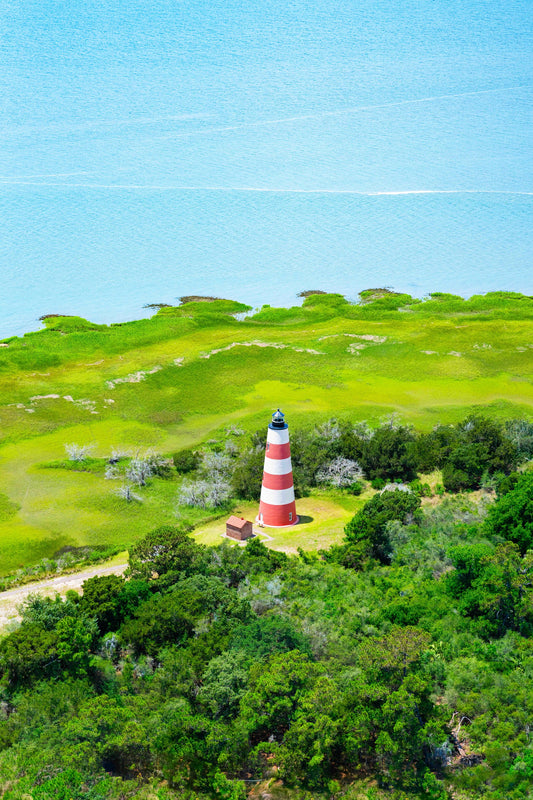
(257, 150)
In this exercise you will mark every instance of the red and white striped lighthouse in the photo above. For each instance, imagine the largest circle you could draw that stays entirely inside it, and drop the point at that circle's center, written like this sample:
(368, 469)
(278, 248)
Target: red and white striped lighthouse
(277, 508)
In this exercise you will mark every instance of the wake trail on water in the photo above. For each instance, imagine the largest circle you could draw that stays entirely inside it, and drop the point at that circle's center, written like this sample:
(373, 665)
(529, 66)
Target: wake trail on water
(96, 125)
(338, 112)
(10, 178)
(262, 190)
(62, 128)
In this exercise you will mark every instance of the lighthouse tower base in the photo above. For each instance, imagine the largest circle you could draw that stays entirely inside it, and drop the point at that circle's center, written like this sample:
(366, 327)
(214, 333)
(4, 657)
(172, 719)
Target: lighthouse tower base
(259, 520)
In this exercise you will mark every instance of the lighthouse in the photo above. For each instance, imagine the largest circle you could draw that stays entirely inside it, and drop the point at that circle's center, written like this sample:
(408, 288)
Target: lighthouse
(277, 508)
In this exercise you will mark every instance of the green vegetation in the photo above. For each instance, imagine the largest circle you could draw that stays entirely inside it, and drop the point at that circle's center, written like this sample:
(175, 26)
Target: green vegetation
(230, 671)
(380, 649)
(174, 382)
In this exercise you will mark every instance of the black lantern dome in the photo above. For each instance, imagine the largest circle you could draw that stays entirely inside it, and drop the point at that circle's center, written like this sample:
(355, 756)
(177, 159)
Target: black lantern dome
(278, 420)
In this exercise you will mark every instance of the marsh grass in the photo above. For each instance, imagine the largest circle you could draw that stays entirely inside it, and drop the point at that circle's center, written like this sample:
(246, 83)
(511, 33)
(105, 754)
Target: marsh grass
(96, 466)
(441, 358)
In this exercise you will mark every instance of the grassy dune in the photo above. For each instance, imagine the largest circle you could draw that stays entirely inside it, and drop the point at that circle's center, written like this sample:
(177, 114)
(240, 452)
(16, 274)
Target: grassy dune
(182, 376)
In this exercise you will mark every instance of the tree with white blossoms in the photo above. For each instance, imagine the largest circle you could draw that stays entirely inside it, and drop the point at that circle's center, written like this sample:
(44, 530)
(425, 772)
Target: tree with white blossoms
(136, 473)
(216, 466)
(204, 494)
(340, 472)
(79, 452)
(126, 493)
(329, 430)
(213, 488)
(139, 470)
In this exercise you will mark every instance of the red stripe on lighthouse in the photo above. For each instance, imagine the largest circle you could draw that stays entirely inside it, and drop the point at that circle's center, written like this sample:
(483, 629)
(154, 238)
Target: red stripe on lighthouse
(278, 450)
(277, 481)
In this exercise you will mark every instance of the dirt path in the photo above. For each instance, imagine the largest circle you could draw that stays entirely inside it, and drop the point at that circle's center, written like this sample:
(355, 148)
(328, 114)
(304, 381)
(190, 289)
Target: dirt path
(10, 600)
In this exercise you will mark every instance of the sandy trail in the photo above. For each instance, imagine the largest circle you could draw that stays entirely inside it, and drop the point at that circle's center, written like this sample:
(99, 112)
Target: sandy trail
(10, 600)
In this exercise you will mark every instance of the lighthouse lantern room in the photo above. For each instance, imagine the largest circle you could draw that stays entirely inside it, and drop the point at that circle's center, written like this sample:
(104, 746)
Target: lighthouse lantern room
(277, 507)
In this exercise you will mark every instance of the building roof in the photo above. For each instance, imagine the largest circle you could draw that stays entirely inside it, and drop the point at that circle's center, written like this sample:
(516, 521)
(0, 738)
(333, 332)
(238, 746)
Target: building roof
(237, 522)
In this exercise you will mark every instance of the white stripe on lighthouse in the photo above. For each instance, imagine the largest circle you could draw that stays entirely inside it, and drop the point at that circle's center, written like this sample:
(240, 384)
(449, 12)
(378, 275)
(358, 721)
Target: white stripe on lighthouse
(278, 466)
(277, 497)
(278, 436)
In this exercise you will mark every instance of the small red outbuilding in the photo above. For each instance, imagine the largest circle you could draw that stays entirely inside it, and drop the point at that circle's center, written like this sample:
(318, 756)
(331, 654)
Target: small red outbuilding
(239, 528)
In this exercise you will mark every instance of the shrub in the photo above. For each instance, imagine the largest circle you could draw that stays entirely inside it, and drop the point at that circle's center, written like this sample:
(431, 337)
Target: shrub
(186, 461)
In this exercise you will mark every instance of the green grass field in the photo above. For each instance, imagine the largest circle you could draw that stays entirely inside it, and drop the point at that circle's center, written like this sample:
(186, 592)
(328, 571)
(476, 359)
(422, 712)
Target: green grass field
(179, 378)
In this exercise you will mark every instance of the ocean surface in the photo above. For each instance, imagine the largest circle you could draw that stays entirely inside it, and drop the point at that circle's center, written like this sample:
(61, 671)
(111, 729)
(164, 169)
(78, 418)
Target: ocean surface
(255, 150)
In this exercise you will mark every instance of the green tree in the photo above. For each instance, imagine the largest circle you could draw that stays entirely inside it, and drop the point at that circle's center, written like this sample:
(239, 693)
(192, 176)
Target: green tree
(228, 789)
(468, 562)
(511, 516)
(248, 474)
(268, 634)
(367, 530)
(310, 452)
(275, 689)
(75, 637)
(69, 784)
(130, 596)
(390, 454)
(108, 734)
(179, 742)
(433, 448)
(481, 447)
(223, 684)
(186, 461)
(167, 552)
(311, 746)
(464, 467)
(101, 600)
(171, 617)
(506, 589)
(45, 611)
(389, 658)
(495, 587)
(158, 621)
(257, 557)
(27, 654)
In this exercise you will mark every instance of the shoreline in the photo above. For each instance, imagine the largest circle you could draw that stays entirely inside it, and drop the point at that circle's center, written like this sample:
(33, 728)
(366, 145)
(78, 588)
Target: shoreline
(150, 310)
